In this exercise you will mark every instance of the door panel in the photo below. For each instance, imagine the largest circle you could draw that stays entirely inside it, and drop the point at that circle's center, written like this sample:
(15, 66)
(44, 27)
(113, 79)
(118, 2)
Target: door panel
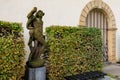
(97, 18)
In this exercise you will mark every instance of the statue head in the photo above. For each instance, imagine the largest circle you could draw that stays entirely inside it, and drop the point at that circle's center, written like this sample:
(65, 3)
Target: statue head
(40, 13)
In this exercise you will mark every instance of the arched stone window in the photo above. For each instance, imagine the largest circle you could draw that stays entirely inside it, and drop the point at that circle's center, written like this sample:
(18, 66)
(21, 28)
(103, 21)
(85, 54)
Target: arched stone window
(98, 14)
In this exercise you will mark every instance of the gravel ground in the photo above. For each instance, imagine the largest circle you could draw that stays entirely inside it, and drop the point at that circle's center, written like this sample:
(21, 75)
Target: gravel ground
(109, 78)
(112, 69)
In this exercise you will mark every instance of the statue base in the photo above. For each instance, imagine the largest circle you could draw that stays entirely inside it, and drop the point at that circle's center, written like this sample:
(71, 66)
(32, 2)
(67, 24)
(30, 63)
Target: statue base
(36, 73)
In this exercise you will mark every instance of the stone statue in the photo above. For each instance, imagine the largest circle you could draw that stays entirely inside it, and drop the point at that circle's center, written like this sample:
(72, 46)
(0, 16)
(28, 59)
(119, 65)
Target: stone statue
(36, 41)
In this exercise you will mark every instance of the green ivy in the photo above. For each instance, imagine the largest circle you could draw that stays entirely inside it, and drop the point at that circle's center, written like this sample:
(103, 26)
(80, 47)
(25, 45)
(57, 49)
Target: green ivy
(73, 50)
(11, 51)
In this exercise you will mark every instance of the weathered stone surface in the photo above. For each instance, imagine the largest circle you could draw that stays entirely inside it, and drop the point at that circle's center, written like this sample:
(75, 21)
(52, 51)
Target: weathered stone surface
(36, 41)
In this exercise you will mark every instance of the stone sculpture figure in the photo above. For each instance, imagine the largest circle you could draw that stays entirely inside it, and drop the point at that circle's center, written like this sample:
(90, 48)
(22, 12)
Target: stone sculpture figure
(36, 41)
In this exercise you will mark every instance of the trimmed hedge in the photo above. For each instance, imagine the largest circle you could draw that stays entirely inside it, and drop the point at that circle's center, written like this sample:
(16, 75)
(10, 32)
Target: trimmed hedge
(73, 50)
(12, 51)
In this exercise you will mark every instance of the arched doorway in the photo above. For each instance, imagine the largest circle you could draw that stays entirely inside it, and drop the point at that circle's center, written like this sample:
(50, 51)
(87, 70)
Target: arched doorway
(97, 18)
(98, 14)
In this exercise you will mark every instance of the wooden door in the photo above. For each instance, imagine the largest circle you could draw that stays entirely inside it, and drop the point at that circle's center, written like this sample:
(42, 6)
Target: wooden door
(97, 18)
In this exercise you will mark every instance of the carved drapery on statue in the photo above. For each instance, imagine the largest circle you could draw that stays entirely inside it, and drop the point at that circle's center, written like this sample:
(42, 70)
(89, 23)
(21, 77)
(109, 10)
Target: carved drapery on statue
(36, 41)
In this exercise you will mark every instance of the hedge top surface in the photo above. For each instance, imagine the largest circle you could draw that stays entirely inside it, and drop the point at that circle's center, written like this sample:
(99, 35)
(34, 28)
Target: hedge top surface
(13, 26)
(70, 29)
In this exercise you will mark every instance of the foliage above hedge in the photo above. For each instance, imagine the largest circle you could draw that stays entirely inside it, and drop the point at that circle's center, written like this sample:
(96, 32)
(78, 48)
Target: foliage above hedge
(11, 51)
(73, 50)
(11, 26)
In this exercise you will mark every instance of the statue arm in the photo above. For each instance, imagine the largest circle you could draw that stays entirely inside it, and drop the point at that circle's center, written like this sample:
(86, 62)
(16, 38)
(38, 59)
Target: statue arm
(29, 23)
(31, 17)
(32, 12)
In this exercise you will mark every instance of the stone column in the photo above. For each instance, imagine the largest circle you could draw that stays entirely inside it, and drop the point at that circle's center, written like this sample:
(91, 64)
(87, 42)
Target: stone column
(112, 45)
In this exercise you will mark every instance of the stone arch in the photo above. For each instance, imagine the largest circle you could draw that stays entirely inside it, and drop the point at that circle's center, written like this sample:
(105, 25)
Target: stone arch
(99, 4)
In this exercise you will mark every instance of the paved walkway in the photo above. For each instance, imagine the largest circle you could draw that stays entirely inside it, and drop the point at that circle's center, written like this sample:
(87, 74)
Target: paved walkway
(112, 69)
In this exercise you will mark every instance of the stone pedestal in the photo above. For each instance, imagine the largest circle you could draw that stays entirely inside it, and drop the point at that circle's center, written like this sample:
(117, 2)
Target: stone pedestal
(37, 73)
